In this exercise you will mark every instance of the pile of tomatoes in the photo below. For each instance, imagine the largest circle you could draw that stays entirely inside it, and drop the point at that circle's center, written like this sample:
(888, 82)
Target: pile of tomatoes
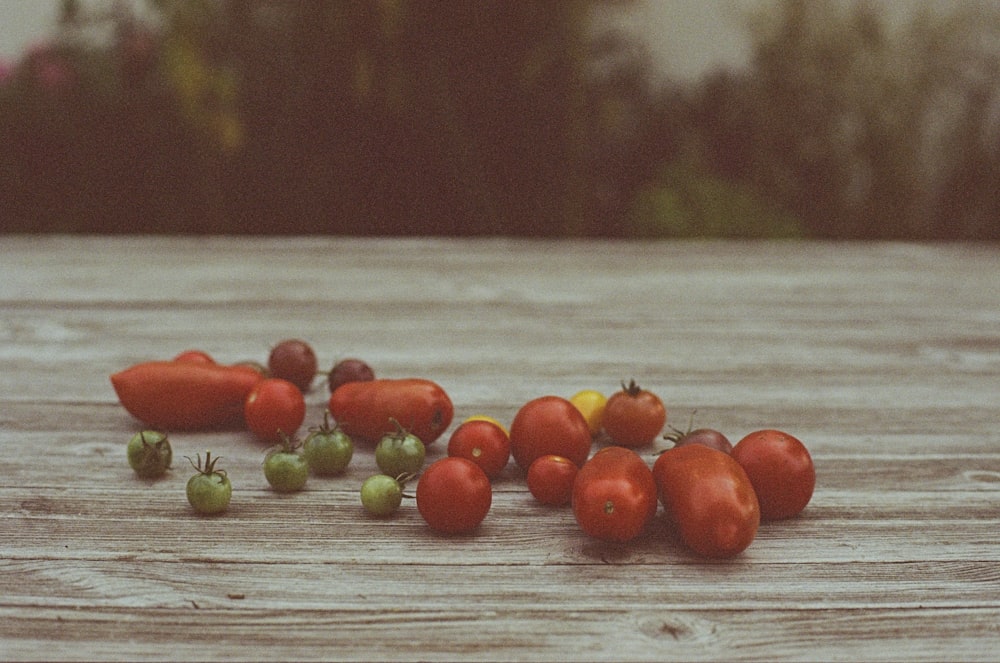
(714, 493)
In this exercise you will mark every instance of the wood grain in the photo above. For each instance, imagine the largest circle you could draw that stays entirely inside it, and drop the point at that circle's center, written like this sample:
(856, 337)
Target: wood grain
(883, 358)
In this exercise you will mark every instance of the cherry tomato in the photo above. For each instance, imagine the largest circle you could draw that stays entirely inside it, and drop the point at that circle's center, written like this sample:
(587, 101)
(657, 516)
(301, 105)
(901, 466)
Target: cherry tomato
(634, 416)
(614, 495)
(275, 408)
(370, 409)
(454, 495)
(381, 495)
(709, 497)
(549, 425)
(400, 453)
(171, 395)
(285, 468)
(194, 357)
(706, 436)
(209, 491)
(591, 405)
(484, 443)
(327, 450)
(349, 370)
(293, 360)
(781, 471)
(550, 479)
(149, 454)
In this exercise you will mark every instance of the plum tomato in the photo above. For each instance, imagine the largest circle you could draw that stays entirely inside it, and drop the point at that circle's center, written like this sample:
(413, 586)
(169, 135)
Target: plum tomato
(634, 416)
(549, 425)
(274, 408)
(550, 479)
(293, 360)
(591, 404)
(454, 495)
(209, 491)
(149, 454)
(381, 495)
(400, 453)
(369, 409)
(285, 468)
(780, 469)
(710, 499)
(349, 370)
(328, 450)
(484, 443)
(614, 495)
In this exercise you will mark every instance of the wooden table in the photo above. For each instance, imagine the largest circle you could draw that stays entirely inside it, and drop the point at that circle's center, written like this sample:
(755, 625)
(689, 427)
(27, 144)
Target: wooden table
(883, 358)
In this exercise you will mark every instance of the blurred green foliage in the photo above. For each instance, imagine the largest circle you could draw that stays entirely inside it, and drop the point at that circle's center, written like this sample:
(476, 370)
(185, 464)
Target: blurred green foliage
(499, 118)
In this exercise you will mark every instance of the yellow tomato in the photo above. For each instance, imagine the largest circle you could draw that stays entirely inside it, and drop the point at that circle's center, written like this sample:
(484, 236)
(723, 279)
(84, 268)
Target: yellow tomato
(591, 404)
(483, 417)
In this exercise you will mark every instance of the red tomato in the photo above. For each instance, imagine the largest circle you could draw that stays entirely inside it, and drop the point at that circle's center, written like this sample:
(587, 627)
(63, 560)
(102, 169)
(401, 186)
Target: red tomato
(549, 425)
(454, 495)
(194, 357)
(484, 443)
(173, 395)
(781, 471)
(550, 479)
(275, 408)
(614, 495)
(633, 416)
(709, 497)
(370, 409)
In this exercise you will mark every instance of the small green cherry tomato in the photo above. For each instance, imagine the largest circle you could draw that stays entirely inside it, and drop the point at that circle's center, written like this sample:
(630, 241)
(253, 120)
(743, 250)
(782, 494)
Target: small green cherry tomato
(209, 491)
(400, 453)
(149, 454)
(328, 450)
(381, 495)
(285, 468)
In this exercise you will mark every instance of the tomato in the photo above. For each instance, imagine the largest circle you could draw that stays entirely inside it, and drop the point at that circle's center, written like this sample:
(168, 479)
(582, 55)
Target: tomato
(614, 495)
(274, 409)
(781, 471)
(149, 454)
(285, 468)
(349, 370)
(634, 416)
(484, 443)
(327, 450)
(709, 498)
(549, 425)
(550, 479)
(370, 409)
(484, 417)
(209, 491)
(194, 357)
(173, 395)
(295, 361)
(381, 495)
(591, 405)
(706, 436)
(454, 495)
(400, 453)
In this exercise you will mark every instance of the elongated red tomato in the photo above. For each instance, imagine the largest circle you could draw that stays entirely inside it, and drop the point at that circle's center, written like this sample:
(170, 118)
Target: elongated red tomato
(614, 495)
(174, 395)
(709, 497)
(372, 408)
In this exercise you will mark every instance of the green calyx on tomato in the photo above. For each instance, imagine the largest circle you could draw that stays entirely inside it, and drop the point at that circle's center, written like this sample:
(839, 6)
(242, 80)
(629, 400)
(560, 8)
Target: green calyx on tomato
(209, 491)
(149, 454)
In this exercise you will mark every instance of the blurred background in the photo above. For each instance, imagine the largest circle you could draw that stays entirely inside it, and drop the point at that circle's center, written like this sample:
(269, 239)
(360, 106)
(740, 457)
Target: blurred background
(850, 119)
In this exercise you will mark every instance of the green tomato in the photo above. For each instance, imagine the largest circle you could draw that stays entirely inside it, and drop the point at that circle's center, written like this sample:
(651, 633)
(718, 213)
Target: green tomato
(381, 495)
(400, 453)
(209, 491)
(286, 470)
(149, 454)
(328, 450)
